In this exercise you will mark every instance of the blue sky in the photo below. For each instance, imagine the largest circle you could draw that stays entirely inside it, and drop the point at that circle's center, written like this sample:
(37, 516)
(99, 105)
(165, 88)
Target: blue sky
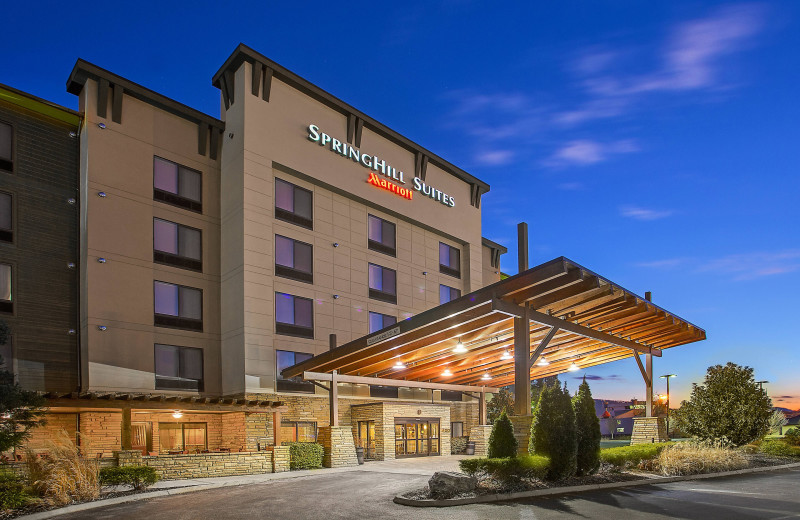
(654, 143)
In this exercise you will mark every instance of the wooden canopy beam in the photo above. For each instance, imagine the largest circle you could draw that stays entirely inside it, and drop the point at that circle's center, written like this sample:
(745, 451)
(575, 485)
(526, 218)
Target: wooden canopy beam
(396, 383)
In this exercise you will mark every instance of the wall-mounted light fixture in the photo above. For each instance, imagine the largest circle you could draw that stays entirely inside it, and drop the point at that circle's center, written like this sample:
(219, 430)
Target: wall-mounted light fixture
(177, 414)
(335, 296)
(424, 273)
(101, 328)
(73, 134)
(71, 332)
(336, 244)
(71, 201)
(102, 126)
(101, 194)
(70, 265)
(101, 260)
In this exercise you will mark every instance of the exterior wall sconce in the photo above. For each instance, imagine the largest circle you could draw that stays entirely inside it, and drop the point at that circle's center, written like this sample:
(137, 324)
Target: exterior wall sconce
(101, 194)
(101, 328)
(73, 134)
(335, 296)
(424, 273)
(101, 260)
(102, 126)
(71, 332)
(71, 265)
(71, 201)
(336, 244)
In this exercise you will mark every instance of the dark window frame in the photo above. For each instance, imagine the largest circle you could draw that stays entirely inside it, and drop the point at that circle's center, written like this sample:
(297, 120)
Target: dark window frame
(183, 425)
(380, 294)
(446, 269)
(451, 395)
(290, 329)
(178, 322)
(200, 383)
(7, 235)
(383, 320)
(380, 247)
(451, 293)
(293, 273)
(296, 425)
(289, 216)
(452, 429)
(384, 392)
(7, 306)
(9, 165)
(175, 199)
(292, 384)
(183, 262)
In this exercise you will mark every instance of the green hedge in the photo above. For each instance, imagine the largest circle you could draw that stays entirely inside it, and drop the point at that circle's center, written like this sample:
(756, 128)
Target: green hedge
(139, 477)
(507, 469)
(304, 455)
(779, 449)
(627, 456)
(13, 492)
(792, 437)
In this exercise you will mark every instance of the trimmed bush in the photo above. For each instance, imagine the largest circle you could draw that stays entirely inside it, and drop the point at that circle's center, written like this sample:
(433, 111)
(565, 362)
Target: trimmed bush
(587, 431)
(778, 449)
(138, 477)
(304, 455)
(631, 456)
(792, 437)
(458, 445)
(507, 470)
(502, 442)
(13, 492)
(553, 433)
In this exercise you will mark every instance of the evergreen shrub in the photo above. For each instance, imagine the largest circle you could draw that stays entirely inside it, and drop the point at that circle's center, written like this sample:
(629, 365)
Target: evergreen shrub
(587, 427)
(502, 442)
(778, 449)
(553, 432)
(304, 455)
(138, 477)
(632, 456)
(792, 437)
(13, 492)
(507, 470)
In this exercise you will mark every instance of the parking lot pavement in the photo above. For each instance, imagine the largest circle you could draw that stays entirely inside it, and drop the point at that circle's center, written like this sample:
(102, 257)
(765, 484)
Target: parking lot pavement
(363, 493)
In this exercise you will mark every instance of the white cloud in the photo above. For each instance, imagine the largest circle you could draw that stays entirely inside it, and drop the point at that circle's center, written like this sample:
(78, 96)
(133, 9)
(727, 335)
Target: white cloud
(495, 157)
(584, 152)
(748, 266)
(639, 213)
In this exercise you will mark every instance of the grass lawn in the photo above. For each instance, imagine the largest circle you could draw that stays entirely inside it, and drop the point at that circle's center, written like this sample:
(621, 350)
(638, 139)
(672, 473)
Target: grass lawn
(608, 443)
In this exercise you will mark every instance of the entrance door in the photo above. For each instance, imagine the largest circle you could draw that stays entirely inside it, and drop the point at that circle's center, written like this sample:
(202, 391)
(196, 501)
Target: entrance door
(366, 434)
(142, 437)
(416, 437)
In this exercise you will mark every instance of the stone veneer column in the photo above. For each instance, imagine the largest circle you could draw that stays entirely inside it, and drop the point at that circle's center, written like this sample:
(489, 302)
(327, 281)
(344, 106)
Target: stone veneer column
(280, 459)
(340, 450)
(480, 436)
(522, 431)
(648, 430)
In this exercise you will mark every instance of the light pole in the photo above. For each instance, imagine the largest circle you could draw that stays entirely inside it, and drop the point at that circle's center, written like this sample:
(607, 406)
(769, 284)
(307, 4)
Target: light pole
(761, 384)
(667, 377)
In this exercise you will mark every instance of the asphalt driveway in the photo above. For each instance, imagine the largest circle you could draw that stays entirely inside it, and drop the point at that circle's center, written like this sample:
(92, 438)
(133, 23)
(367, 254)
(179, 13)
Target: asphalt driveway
(367, 494)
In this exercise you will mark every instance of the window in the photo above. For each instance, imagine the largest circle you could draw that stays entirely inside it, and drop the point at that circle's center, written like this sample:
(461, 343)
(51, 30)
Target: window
(186, 437)
(298, 431)
(378, 321)
(293, 204)
(293, 259)
(177, 185)
(178, 306)
(451, 395)
(178, 368)
(447, 293)
(456, 429)
(386, 392)
(6, 302)
(382, 283)
(176, 244)
(285, 359)
(382, 235)
(449, 260)
(294, 316)
(6, 222)
(6, 147)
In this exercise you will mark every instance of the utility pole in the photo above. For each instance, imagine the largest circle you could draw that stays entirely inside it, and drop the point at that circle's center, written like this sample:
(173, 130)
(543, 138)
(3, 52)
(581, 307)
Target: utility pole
(668, 377)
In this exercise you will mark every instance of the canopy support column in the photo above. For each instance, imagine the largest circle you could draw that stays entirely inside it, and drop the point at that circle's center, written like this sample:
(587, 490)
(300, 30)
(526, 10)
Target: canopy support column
(522, 372)
(482, 407)
(333, 398)
(647, 375)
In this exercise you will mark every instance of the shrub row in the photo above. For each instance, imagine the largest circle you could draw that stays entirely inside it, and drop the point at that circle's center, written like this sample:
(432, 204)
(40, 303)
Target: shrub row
(508, 469)
(13, 492)
(779, 448)
(631, 456)
(792, 437)
(304, 455)
(138, 477)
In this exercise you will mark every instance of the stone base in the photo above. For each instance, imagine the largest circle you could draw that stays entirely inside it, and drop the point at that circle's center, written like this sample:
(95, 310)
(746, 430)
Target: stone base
(648, 430)
(340, 450)
(480, 436)
(522, 431)
(280, 458)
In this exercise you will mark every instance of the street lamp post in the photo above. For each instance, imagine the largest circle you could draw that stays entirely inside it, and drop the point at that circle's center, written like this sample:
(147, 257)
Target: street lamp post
(668, 377)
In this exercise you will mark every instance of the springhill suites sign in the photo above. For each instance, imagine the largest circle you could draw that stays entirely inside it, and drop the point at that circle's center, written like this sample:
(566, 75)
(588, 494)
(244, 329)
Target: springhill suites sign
(381, 174)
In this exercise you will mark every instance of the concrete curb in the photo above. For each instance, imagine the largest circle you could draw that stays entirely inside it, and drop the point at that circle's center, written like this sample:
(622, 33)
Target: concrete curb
(502, 497)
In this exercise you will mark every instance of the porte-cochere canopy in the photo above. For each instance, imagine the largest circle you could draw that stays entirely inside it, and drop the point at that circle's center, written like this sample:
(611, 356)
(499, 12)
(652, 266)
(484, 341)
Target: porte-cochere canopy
(576, 316)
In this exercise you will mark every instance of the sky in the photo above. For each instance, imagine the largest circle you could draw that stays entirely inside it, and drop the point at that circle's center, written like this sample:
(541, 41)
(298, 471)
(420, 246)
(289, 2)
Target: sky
(655, 143)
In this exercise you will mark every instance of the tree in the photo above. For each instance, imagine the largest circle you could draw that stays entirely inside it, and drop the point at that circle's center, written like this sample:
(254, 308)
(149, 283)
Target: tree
(587, 431)
(777, 420)
(553, 432)
(499, 403)
(537, 385)
(728, 405)
(20, 409)
(502, 442)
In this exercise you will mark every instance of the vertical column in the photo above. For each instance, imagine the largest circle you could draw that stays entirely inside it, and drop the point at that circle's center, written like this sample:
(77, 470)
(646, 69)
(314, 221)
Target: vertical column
(333, 397)
(126, 429)
(648, 360)
(522, 246)
(276, 428)
(522, 374)
(482, 408)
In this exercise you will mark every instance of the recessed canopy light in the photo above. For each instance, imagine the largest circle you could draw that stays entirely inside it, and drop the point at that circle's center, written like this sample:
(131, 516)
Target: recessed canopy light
(460, 348)
(542, 362)
(573, 367)
(447, 373)
(505, 355)
(399, 365)
(486, 377)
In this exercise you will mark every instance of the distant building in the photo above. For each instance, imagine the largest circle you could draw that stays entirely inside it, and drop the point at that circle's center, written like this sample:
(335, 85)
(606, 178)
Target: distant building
(622, 412)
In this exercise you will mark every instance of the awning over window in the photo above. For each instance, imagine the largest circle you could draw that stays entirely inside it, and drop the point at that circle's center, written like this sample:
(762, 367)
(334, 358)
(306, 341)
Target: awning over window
(597, 322)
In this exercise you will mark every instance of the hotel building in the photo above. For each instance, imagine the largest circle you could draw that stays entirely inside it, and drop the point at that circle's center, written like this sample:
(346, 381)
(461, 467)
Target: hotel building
(167, 267)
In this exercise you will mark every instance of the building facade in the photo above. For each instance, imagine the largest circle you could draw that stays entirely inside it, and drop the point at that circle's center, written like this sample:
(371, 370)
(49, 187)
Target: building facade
(210, 254)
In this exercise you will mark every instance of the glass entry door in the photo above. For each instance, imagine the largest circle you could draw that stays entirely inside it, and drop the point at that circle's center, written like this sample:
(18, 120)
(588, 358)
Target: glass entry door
(416, 437)
(366, 434)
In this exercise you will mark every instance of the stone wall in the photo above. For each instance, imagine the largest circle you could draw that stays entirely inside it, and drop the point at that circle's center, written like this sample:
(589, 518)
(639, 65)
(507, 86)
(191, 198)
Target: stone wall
(233, 431)
(648, 430)
(280, 458)
(172, 467)
(101, 432)
(480, 436)
(522, 431)
(340, 450)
